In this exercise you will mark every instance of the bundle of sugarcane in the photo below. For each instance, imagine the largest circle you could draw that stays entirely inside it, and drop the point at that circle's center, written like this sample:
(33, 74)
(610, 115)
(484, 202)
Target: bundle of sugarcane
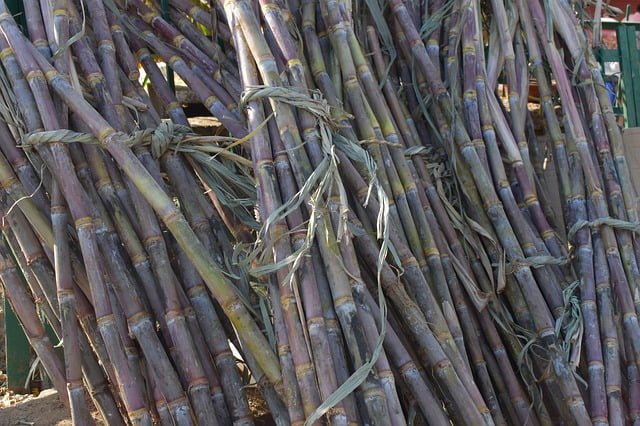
(368, 228)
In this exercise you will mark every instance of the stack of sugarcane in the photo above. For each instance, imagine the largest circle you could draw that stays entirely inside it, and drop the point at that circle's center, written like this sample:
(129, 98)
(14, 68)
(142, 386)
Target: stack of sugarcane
(368, 228)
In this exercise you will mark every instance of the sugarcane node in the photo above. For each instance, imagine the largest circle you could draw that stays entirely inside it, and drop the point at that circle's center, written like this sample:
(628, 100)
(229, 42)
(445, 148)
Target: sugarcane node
(223, 355)
(35, 257)
(137, 320)
(60, 12)
(107, 44)
(171, 316)
(149, 17)
(7, 182)
(613, 389)
(302, 369)
(142, 53)
(471, 94)
(105, 320)
(283, 348)
(138, 416)
(34, 75)
(177, 40)
(84, 223)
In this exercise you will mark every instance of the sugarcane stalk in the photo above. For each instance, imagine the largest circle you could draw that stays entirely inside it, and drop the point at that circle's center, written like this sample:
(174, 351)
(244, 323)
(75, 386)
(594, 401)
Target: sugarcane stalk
(106, 50)
(372, 333)
(187, 357)
(327, 375)
(430, 201)
(35, 27)
(174, 321)
(123, 52)
(73, 362)
(622, 285)
(524, 274)
(25, 310)
(211, 99)
(230, 379)
(174, 220)
(263, 164)
(84, 230)
(607, 323)
(301, 168)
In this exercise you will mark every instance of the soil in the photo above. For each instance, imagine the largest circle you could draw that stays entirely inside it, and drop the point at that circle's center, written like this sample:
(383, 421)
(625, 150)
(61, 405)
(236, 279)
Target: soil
(47, 410)
(42, 410)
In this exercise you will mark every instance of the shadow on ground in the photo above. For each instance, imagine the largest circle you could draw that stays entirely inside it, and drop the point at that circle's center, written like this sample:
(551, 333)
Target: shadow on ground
(44, 410)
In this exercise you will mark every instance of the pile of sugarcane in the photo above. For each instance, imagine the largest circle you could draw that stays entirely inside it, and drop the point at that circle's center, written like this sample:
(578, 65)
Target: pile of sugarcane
(367, 238)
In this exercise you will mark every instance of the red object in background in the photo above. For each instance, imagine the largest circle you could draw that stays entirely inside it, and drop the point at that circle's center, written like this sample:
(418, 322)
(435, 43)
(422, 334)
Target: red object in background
(622, 4)
(609, 36)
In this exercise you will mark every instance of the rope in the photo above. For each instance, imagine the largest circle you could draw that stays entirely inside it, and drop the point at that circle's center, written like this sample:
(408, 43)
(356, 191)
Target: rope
(540, 261)
(606, 221)
(165, 135)
(319, 183)
(63, 135)
(161, 139)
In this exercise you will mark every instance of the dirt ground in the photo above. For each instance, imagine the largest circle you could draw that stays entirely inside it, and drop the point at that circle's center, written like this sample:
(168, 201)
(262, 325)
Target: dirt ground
(47, 410)
(43, 410)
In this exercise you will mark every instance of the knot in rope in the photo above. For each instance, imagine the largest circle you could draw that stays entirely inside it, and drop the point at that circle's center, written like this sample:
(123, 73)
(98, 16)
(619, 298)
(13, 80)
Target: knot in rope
(165, 135)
